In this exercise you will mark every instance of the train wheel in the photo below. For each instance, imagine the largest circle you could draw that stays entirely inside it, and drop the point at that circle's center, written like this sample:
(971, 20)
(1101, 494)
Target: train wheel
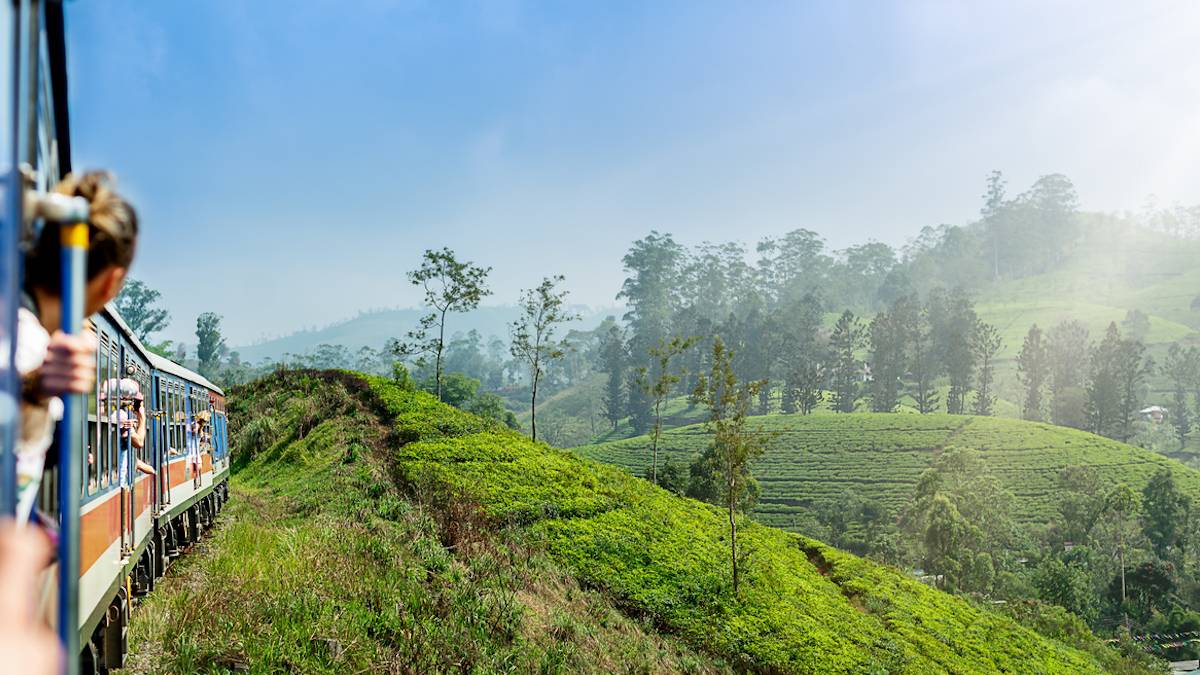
(89, 659)
(160, 552)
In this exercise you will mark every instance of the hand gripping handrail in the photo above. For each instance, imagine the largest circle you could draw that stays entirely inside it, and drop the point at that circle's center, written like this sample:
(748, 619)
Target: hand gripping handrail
(71, 213)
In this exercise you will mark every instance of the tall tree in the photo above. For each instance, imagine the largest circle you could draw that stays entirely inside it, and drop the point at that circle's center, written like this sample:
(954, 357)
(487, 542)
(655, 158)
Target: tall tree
(923, 364)
(793, 267)
(985, 342)
(450, 286)
(136, 306)
(209, 343)
(1104, 407)
(889, 337)
(801, 355)
(1033, 368)
(651, 292)
(734, 447)
(961, 516)
(1082, 504)
(638, 406)
(845, 369)
(542, 310)
(1120, 512)
(658, 382)
(953, 330)
(1070, 356)
(993, 214)
(1133, 368)
(1166, 512)
(1178, 367)
(614, 358)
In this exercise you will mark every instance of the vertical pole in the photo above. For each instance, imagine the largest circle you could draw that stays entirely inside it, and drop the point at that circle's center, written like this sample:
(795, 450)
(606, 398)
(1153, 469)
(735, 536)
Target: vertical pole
(70, 448)
(10, 87)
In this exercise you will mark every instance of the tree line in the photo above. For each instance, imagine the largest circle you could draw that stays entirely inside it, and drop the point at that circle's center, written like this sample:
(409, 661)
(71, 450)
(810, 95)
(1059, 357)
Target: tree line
(1101, 385)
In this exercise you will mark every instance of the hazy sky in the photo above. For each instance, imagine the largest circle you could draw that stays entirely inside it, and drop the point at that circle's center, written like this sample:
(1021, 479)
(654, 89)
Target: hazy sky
(292, 159)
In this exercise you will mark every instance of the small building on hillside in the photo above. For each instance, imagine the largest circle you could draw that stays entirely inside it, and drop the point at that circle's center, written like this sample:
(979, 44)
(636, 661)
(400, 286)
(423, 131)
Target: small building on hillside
(1154, 413)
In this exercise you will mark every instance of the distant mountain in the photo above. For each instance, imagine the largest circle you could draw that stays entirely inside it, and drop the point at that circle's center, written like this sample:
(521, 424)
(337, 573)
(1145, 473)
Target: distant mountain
(373, 329)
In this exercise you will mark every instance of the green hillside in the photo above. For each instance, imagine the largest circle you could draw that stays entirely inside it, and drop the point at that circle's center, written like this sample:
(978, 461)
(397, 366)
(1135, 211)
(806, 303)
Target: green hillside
(466, 534)
(813, 459)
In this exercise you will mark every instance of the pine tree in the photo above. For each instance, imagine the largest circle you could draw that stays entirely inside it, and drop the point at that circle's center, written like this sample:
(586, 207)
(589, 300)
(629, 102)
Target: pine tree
(1069, 357)
(1178, 368)
(923, 364)
(888, 334)
(1033, 369)
(1103, 386)
(1133, 368)
(845, 369)
(985, 343)
(613, 360)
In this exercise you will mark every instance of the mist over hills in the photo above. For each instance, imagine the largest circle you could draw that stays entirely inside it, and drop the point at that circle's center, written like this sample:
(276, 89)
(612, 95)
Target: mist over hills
(376, 327)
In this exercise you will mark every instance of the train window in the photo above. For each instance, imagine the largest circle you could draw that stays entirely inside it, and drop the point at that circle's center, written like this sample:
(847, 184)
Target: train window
(92, 451)
(143, 380)
(172, 423)
(114, 374)
(101, 458)
(177, 419)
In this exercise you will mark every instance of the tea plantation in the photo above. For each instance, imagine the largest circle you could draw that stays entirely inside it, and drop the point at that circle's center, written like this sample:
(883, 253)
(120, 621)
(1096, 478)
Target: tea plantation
(813, 459)
(419, 538)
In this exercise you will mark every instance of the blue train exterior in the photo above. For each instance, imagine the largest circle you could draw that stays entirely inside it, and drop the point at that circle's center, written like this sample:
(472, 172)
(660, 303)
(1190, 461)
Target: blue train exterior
(132, 525)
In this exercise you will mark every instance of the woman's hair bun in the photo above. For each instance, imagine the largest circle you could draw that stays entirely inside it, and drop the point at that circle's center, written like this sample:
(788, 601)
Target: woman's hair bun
(112, 232)
(109, 212)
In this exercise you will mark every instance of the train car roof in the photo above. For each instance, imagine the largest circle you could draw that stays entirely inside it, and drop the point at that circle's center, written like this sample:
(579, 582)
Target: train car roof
(164, 364)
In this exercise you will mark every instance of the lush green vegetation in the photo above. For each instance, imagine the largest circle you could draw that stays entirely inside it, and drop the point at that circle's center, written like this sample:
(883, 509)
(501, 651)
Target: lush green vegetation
(812, 459)
(440, 541)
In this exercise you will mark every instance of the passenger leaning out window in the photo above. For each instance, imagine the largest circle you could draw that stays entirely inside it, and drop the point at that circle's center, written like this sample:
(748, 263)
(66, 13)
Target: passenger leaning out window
(52, 363)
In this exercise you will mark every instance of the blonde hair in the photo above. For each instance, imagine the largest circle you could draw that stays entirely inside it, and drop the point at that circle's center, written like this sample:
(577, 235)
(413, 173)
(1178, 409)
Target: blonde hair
(112, 230)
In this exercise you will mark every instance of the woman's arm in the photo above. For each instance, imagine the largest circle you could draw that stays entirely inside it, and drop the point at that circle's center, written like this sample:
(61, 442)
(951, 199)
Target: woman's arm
(138, 436)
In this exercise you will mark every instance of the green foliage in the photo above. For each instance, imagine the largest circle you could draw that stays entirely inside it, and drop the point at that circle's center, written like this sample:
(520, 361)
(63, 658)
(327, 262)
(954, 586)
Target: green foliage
(320, 565)
(1033, 368)
(136, 303)
(1166, 514)
(845, 369)
(209, 342)
(450, 286)
(803, 607)
(658, 382)
(798, 610)
(985, 343)
(1067, 586)
(457, 389)
(533, 343)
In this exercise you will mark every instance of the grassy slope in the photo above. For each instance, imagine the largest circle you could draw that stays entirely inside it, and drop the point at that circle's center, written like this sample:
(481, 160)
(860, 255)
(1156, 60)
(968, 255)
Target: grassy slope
(812, 459)
(321, 565)
(483, 516)
(804, 607)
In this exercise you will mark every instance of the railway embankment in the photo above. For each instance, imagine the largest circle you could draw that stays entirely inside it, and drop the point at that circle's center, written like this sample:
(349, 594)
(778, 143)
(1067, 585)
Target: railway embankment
(375, 529)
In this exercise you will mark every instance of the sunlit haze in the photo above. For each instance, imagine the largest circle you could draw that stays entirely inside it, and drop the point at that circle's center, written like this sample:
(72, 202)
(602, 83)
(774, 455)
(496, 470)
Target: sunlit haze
(292, 160)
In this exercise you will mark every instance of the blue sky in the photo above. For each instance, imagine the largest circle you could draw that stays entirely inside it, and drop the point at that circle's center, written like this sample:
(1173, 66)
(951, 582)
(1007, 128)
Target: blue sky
(291, 160)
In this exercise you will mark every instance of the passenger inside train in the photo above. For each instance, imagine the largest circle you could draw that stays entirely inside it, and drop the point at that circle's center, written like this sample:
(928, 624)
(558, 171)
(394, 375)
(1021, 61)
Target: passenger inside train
(195, 433)
(50, 362)
(125, 398)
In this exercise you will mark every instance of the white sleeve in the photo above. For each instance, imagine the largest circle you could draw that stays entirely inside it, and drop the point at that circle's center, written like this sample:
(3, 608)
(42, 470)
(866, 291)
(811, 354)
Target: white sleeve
(32, 342)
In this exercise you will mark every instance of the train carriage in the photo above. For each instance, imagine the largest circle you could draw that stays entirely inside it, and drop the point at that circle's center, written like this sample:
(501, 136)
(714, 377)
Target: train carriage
(131, 523)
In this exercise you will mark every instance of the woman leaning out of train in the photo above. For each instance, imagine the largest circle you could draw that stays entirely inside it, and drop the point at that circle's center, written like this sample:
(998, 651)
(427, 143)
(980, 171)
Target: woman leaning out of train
(52, 363)
(132, 422)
